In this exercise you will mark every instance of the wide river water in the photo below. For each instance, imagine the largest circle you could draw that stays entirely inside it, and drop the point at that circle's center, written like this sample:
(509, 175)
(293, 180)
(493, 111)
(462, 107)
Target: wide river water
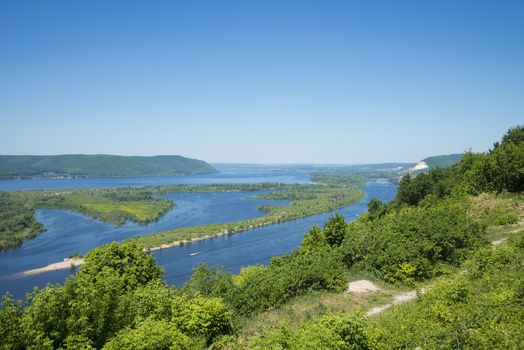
(229, 173)
(69, 232)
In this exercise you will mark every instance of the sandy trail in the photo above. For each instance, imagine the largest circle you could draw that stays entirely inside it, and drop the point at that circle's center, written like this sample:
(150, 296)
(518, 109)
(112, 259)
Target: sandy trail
(397, 299)
(365, 286)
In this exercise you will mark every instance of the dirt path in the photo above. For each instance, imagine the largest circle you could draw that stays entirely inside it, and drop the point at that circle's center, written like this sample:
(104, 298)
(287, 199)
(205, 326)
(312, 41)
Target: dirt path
(397, 299)
(364, 286)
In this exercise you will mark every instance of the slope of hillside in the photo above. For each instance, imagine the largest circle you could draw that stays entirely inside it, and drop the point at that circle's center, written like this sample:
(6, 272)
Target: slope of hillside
(443, 161)
(99, 166)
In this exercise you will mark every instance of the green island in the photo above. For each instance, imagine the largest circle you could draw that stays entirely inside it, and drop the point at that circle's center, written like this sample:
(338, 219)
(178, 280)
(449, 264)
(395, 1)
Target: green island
(444, 260)
(99, 165)
(142, 205)
(307, 200)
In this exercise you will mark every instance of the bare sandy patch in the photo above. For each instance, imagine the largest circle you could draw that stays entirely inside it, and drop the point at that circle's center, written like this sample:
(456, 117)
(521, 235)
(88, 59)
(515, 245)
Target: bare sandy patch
(66, 264)
(362, 286)
(499, 241)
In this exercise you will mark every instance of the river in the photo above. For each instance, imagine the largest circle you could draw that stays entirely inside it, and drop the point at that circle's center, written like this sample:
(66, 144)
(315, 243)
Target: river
(69, 232)
(229, 173)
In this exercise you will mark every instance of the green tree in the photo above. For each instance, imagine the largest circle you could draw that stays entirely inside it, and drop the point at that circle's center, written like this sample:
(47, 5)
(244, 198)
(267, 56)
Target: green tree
(153, 335)
(334, 230)
(45, 318)
(11, 331)
(203, 317)
(125, 260)
(313, 239)
(514, 136)
(376, 209)
(77, 342)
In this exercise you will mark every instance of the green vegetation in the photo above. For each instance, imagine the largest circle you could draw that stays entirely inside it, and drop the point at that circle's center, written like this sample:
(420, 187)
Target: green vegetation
(113, 205)
(444, 161)
(116, 301)
(480, 308)
(99, 166)
(359, 175)
(17, 209)
(340, 178)
(434, 234)
(17, 221)
(307, 200)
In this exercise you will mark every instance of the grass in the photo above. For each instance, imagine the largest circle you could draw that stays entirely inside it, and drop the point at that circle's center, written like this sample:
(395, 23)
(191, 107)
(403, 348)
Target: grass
(99, 204)
(308, 307)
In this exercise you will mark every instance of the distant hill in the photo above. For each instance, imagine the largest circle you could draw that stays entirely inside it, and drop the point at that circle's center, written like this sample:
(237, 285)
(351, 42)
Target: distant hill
(81, 165)
(444, 161)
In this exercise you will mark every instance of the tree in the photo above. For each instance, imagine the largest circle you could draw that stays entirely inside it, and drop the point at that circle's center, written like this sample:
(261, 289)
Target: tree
(125, 260)
(313, 239)
(376, 209)
(11, 331)
(334, 230)
(514, 135)
(199, 316)
(153, 335)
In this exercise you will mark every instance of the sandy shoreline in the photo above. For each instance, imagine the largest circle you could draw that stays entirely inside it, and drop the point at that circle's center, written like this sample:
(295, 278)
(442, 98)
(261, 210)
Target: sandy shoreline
(75, 262)
(66, 264)
(223, 232)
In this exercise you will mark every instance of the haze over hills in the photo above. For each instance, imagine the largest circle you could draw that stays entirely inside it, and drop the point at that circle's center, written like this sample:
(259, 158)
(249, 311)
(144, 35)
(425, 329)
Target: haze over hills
(100, 165)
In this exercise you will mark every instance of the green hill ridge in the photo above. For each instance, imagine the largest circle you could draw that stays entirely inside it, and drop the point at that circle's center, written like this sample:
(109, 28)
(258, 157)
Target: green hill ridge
(100, 165)
(443, 161)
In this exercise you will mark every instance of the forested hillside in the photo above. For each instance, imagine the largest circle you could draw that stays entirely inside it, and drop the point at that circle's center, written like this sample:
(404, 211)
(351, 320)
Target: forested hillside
(444, 161)
(99, 166)
(437, 234)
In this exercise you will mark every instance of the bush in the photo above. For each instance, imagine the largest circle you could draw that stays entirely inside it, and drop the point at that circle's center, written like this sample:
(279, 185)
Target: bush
(409, 244)
(330, 332)
(153, 335)
(478, 309)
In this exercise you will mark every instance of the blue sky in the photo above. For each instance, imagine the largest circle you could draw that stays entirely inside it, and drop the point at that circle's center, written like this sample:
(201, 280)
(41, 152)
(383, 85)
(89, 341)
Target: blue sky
(260, 81)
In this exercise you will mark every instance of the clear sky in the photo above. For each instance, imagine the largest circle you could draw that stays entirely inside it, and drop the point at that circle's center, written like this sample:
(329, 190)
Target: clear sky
(260, 80)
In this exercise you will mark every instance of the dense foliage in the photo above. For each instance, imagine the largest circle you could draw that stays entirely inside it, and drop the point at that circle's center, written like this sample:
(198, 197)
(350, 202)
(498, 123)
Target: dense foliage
(413, 243)
(499, 170)
(330, 332)
(17, 221)
(481, 308)
(100, 166)
(117, 300)
(261, 288)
